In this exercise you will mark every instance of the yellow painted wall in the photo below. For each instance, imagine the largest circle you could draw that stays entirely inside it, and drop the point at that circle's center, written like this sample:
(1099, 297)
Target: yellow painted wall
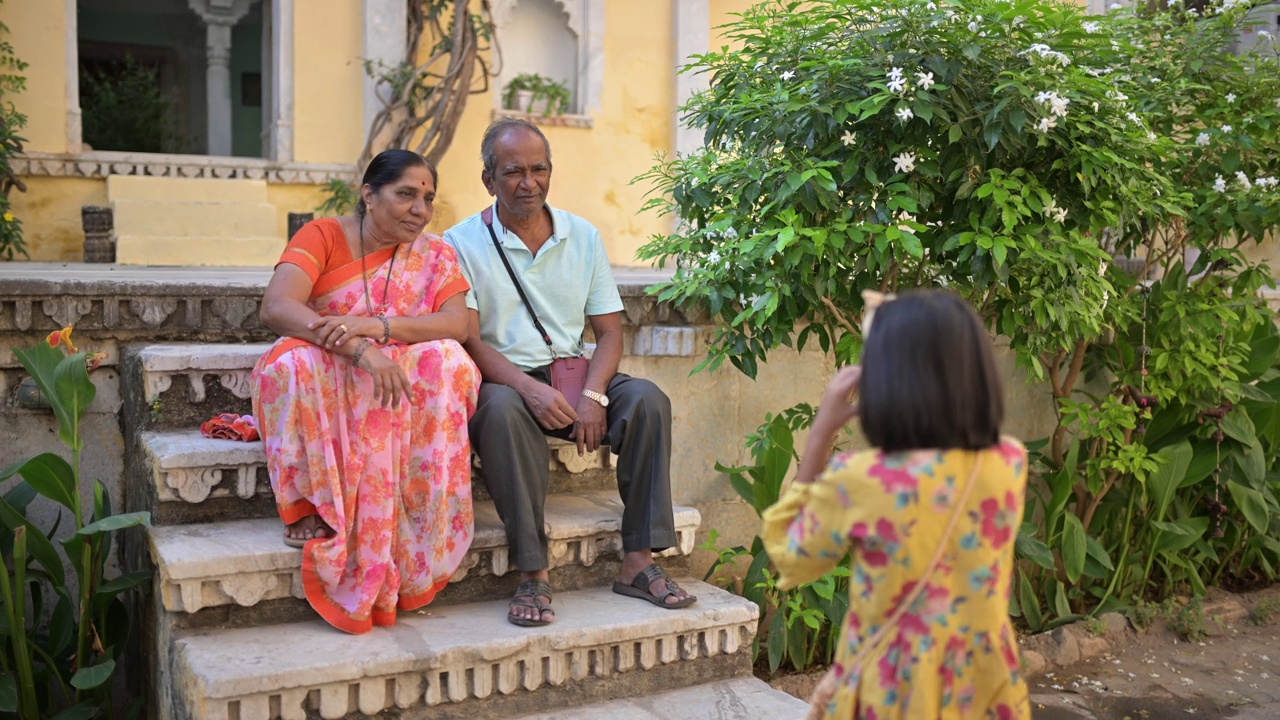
(328, 81)
(50, 213)
(37, 29)
(593, 167)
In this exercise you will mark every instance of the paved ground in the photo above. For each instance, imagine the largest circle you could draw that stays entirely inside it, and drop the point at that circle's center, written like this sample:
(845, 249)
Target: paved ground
(1233, 674)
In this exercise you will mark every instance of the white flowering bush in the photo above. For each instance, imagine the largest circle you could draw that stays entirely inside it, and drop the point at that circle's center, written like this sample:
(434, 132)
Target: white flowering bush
(1088, 183)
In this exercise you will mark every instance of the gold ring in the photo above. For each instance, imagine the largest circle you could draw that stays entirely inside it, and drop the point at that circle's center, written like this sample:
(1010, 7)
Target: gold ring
(343, 328)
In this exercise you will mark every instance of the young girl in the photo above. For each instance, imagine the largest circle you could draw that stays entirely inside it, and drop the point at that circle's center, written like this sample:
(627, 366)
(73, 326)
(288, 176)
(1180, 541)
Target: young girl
(929, 518)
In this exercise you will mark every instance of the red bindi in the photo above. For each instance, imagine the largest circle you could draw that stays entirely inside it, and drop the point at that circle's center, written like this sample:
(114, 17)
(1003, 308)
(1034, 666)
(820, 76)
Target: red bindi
(424, 184)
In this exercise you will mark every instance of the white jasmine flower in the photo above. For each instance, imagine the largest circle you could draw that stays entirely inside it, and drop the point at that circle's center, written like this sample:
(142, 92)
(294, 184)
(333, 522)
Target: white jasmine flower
(973, 26)
(788, 75)
(895, 73)
(1095, 106)
(1151, 135)
(1043, 97)
(1193, 12)
(1090, 27)
(1231, 97)
(713, 257)
(1264, 33)
(1052, 210)
(906, 162)
(1059, 105)
(1219, 184)
(897, 85)
(904, 113)
(1117, 95)
(1226, 129)
(1133, 117)
(1202, 139)
(925, 80)
(1244, 180)
(848, 138)
(931, 6)
(1046, 124)
(730, 234)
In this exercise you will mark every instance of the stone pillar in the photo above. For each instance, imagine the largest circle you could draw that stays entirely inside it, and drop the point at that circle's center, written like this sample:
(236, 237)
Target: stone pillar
(219, 17)
(385, 28)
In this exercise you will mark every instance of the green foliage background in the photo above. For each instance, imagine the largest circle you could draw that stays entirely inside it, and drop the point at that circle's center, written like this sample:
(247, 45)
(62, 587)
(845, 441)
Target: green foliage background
(1089, 184)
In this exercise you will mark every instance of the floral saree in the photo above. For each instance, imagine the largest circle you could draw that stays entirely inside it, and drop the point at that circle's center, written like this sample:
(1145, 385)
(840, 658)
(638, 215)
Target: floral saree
(394, 484)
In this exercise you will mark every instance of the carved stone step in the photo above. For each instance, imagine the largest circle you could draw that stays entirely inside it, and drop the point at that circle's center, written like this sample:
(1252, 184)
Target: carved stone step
(245, 562)
(184, 385)
(189, 470)
(463, 661)
(744, 698)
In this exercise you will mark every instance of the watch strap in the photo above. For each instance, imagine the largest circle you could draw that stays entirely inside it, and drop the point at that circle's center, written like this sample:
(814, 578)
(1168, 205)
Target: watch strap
(598, 397)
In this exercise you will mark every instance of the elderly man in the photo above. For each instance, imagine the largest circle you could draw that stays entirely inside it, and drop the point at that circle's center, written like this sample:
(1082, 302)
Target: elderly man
(537, 275)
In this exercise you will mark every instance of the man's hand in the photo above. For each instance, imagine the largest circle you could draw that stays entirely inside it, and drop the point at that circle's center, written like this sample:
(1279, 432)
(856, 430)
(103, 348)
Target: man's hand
(547, 405)
(591, 426)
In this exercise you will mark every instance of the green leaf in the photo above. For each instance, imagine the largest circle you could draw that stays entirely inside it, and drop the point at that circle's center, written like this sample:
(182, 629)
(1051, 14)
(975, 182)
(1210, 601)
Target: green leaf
(1073, 547)
(93, 676)
(52, 477)
(1060, 604)
(1179, 535)
(61, 626)
(1252, 503)
(777, 643)
(74, 391)
(1027, 546)
(1263, 352)
(37, 544)
(1097, 555)
(1030, 604)
(8, 693)
(82, 711)
(116, 522)
(1238, 426)
(1164, 481)
(125, 582)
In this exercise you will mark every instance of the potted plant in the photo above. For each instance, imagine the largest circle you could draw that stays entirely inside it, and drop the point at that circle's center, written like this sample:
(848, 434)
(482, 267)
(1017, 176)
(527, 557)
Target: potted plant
(536, 94)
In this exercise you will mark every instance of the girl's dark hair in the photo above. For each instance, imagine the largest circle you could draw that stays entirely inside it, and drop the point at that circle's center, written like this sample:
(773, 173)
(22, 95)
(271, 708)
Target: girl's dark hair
(389, 166)
(928, 376)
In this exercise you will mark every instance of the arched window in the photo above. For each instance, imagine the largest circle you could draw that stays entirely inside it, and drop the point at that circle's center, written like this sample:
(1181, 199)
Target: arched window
(559, 40)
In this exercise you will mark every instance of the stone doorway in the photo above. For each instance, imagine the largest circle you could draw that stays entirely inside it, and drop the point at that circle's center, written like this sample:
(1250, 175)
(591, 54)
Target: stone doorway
(174, 76)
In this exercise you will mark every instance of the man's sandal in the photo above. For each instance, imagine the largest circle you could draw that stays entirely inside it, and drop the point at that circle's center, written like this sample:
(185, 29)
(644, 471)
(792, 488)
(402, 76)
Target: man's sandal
(529, 594)
(639, 588)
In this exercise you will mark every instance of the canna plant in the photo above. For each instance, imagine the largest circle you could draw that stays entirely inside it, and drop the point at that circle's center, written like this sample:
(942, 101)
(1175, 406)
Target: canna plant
(60, 639)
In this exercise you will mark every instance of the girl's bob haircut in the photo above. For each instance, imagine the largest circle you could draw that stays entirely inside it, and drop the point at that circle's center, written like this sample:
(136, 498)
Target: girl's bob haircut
(928, 376)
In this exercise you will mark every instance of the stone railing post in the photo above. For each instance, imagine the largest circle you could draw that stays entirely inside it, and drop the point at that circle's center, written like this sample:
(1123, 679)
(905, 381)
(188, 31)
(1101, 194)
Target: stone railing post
(99, 240)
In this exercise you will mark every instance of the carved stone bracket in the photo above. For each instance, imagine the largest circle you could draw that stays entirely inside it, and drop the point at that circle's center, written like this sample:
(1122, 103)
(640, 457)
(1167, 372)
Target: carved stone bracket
(237, 382)
(195, 485)
(243, 589)
(66, 311)
(665, 341)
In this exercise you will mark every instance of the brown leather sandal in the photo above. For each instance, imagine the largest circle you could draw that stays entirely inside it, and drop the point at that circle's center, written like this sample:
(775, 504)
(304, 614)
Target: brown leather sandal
(639, 588)
(529, 594)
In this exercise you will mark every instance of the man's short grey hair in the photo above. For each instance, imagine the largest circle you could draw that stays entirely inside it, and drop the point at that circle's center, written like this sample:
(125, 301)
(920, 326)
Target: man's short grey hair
(497, 129)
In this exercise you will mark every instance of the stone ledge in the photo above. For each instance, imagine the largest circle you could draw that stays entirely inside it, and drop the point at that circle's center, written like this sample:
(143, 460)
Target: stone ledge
(187, 467)
(737, 699)
(448, 655)
(244, 562)
(103, 163)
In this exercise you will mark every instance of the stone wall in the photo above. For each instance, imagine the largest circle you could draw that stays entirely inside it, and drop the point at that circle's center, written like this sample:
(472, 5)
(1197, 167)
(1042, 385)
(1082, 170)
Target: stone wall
(113, 307)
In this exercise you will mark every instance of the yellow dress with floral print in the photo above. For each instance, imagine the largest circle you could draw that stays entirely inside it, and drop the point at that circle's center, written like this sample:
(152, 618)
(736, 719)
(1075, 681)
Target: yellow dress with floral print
(953, 655)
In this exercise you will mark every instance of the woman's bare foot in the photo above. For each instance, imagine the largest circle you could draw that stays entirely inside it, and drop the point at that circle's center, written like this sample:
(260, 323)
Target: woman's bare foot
(309, 527)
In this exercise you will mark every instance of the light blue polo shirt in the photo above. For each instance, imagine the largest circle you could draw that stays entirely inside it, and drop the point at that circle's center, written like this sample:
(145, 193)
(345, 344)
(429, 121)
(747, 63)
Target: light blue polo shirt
(569, 280)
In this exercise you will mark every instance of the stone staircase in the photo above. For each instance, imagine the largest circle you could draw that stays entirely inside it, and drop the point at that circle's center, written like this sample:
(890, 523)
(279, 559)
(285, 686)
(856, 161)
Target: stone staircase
(230, 635)
(189, 221)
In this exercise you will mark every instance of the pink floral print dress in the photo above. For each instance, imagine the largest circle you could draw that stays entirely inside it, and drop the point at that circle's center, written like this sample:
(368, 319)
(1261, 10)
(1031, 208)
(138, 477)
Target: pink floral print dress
(953, 655)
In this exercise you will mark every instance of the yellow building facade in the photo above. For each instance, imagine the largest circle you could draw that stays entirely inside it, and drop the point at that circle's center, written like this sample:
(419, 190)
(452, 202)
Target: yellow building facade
(273, 103)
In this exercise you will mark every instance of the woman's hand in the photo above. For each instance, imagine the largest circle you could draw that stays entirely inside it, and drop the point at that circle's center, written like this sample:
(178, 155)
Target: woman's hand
(389, 380)
(838, 406)
(333, 331)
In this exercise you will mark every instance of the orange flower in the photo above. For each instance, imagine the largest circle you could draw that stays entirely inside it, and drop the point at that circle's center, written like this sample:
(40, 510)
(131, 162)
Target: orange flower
(59, 337)
(93, 360)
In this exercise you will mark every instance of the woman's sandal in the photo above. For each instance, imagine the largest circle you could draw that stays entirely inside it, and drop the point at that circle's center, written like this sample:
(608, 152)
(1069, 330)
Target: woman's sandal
(639, 588)
(528, 594)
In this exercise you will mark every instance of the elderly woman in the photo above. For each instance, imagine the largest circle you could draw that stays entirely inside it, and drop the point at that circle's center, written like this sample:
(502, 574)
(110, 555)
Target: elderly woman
(363, 403)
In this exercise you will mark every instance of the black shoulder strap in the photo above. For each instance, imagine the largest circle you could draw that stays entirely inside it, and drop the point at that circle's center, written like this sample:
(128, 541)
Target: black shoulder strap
(487, 217)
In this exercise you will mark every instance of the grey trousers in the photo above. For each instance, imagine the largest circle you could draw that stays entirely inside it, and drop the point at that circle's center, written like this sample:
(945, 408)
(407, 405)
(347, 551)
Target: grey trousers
(514, 459)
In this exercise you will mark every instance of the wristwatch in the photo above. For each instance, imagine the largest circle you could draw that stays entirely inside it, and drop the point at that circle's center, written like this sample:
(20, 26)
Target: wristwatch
(598, 397)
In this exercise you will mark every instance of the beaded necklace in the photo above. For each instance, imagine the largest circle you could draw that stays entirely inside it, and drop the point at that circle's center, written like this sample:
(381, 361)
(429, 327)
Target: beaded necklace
(364, 274)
